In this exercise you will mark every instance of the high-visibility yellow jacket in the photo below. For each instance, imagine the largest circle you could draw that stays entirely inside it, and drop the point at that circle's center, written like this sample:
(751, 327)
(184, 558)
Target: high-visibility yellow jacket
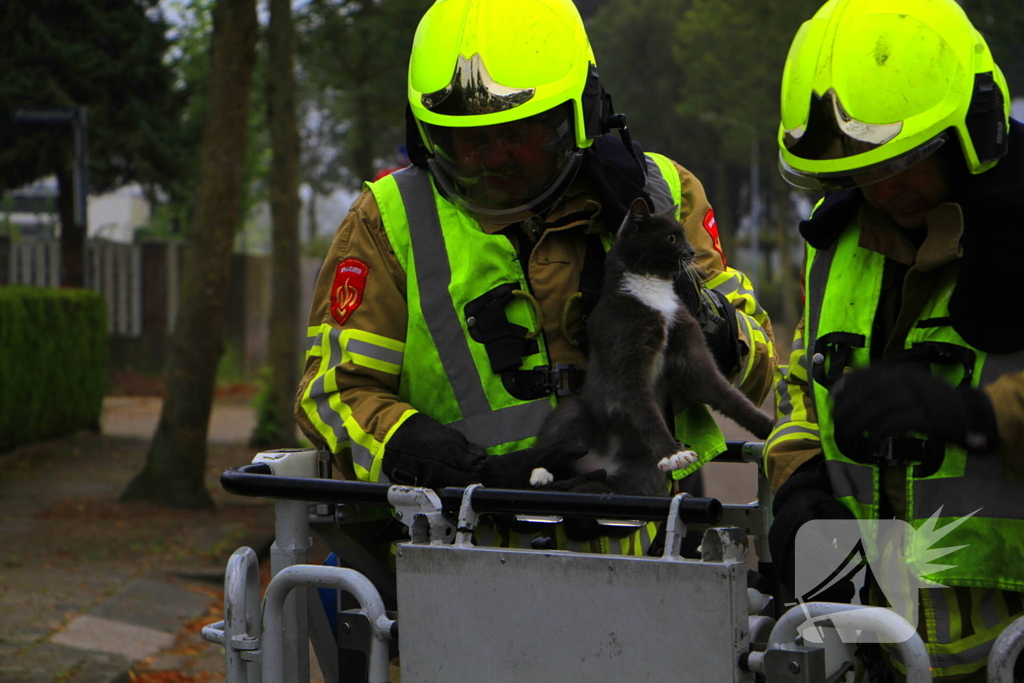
(850, 320)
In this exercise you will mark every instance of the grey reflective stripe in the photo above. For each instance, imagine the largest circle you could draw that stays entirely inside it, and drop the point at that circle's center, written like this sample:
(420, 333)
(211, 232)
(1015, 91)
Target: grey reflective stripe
(849, 479)
(734, 285)
(960, 496)
(745, 325)
(658, 188)
(361, 456)
(973, 655)
(334, 340)
(978, 653)
(318, 393)
(987, 606)
(786, 402)
(433, 275)
(312, 342)
(506, 424)
(997, 365)
(940, 608)
(364, 348)
(782, 429)
(480, 424)
(816, 280)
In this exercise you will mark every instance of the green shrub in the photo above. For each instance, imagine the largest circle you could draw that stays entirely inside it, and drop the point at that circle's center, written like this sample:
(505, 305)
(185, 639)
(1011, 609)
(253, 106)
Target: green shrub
(53, 362)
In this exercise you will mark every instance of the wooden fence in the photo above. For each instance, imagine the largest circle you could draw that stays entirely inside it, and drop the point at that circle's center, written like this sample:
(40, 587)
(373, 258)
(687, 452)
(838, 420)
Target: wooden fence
(141, 285)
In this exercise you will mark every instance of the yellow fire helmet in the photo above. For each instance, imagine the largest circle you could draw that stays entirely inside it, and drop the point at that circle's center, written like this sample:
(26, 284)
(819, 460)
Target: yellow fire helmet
(871, 87)
(488, 74)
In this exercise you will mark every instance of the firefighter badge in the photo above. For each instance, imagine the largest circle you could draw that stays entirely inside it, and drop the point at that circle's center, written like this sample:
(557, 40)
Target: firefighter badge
(711, 225)
(347, 291)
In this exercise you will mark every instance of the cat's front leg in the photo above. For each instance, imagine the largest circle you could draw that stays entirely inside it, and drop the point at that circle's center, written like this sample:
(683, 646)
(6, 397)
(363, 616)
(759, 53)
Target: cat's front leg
(679, 460)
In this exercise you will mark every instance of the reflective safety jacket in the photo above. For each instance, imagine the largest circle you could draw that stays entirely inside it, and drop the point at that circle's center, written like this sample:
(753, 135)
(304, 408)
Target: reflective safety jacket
(398, 320)
(841, 330)
(839, 326)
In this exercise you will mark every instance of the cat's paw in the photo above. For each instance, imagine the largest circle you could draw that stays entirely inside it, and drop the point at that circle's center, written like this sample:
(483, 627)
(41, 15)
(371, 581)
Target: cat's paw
(677, 461)
(541, 477)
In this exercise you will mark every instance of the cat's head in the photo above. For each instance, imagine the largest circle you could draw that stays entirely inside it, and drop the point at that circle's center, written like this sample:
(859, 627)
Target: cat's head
(653, 243)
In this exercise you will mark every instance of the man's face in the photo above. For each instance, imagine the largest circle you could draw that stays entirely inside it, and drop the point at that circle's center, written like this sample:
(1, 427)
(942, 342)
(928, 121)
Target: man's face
(506, 164)
(909, 195)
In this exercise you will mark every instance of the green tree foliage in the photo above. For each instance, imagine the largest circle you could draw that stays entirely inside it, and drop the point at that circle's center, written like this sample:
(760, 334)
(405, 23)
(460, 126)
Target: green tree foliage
(106, 55)
(1002, 24)
(354, 57)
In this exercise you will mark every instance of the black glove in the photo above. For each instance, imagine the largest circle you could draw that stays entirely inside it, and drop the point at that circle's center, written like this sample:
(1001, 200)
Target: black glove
(892, 399)
(716, 317)
(424, 452)
(513, 470)
(804, 497)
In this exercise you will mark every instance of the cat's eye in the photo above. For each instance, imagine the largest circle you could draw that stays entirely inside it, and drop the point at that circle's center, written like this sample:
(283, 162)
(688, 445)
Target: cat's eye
(671, 239)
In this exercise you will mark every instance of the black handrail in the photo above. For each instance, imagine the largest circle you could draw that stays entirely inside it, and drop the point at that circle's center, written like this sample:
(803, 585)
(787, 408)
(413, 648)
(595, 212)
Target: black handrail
(257, 480)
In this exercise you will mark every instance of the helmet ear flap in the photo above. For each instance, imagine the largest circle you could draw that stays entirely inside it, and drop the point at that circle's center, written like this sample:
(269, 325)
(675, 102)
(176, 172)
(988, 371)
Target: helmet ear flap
(986, 119)
(596, 104)
(416, 149)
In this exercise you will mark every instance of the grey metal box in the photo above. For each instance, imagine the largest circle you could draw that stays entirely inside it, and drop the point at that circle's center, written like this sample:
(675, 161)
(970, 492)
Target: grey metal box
(502, 615)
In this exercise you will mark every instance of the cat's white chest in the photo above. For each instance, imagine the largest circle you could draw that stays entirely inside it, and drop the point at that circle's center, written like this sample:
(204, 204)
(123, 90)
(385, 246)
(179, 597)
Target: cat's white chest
(655, 293)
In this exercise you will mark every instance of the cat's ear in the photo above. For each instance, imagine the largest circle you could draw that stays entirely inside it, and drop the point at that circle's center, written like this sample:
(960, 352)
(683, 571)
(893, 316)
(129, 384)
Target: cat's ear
(638, 213)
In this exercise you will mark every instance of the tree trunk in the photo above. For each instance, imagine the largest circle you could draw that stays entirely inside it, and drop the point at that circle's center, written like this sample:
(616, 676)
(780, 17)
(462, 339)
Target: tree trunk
(313, 215)
(176, 461)
(72, 235)
(278, 429)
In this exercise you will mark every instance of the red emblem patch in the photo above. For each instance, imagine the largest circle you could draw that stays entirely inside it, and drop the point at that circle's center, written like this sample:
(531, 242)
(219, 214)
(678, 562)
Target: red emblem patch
(711, 225)
(347, 291)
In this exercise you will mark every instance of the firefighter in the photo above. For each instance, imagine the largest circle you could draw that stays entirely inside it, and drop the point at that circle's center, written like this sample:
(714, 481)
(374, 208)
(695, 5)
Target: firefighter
(903, 397)
(448, 316)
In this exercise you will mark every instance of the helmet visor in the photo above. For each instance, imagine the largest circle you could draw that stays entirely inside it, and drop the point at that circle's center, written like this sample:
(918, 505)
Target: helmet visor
(860, 177)
(504, 170)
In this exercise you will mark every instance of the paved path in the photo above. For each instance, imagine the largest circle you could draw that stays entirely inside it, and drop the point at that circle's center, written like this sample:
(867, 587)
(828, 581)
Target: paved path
(137, 416)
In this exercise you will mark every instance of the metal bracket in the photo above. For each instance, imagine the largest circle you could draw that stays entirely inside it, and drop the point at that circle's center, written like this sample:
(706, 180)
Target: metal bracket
(795, 664)
(419, 509)
(675, 529)
(467, 517)
(724, 544)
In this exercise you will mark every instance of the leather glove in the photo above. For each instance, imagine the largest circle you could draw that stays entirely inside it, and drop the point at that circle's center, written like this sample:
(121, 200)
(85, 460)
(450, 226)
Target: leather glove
(804, 497)
(424, 452)
(513, 470)
(892, 399)
(716, 317)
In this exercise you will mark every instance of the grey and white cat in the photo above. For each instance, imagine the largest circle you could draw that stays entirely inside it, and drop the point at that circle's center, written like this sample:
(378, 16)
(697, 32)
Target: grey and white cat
(646, 351)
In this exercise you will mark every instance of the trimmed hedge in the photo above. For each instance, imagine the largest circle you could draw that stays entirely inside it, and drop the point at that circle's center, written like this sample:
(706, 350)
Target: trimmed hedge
(53, 362)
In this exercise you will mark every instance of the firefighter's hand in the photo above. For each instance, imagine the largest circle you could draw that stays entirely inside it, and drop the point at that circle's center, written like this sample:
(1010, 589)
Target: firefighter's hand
(804, 497)
(423, 452)
(891, 400)
(514, 470)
